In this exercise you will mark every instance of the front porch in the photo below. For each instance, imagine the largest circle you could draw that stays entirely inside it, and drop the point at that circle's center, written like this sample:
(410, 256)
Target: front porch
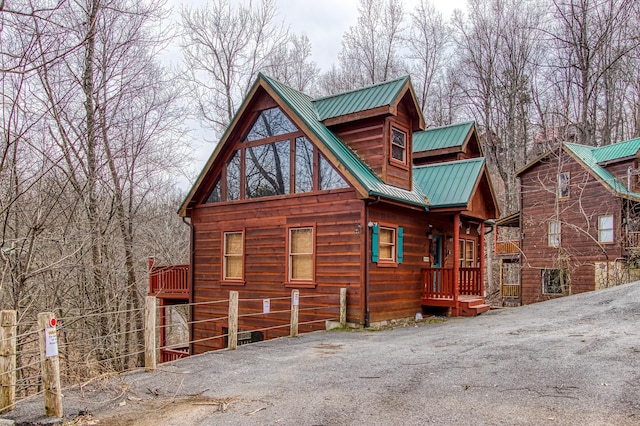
(460, 289)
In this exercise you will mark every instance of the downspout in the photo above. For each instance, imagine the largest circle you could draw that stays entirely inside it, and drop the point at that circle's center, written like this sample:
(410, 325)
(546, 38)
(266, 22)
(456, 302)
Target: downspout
(191, 275)
(367, 257)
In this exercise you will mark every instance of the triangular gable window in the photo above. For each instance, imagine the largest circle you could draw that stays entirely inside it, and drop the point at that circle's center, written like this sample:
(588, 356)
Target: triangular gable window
(274, 159)
(270, 122)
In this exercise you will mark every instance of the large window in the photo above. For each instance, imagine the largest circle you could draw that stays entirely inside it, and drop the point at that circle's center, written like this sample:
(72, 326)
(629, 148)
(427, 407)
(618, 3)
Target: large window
(233, 262)
(301, 254)
(233, 177)
(554, 281)
(563, 184)
(267, 170)
(274, 159)
(398, 145)
(328, 177)
(467, 253)
(554, 233)
(304, 165)
(605, 229)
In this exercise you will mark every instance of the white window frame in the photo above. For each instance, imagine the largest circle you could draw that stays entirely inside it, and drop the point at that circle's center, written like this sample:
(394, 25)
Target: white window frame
(564, 180)
(606, 231)
(404, 148)
(555, 233)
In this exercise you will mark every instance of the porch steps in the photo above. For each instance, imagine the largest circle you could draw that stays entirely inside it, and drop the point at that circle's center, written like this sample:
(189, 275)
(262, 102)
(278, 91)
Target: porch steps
(469, 307)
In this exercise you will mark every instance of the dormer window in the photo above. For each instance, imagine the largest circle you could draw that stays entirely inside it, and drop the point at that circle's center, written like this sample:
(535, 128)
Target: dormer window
(398, 145)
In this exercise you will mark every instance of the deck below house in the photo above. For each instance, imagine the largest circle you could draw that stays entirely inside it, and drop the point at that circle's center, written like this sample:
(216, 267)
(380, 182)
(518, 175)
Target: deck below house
(462, 293)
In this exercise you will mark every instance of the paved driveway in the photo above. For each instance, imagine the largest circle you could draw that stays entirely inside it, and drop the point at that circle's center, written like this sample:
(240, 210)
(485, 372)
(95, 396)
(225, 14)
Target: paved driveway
(571, 361)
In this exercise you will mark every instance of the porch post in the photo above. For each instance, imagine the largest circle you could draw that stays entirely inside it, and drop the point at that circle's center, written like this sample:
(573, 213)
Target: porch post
(163, 328)
(456, 258)
(481, 274)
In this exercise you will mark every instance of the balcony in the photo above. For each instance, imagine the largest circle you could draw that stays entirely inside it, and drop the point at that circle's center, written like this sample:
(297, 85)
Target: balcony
(169, 282)
(507, 248)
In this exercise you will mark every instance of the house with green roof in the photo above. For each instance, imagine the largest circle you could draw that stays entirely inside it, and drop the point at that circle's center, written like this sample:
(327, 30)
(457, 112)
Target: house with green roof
(579, 220)
(348, 191)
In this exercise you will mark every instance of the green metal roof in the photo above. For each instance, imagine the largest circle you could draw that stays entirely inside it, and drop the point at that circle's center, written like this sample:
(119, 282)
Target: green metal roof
(590, 157)
(303, 106)
(367, 98)
(441, 137)
(617, 151)
(449, 184)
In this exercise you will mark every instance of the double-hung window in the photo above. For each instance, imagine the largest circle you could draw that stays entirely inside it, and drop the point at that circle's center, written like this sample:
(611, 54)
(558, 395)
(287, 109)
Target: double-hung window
(563, 184)
(398, 145)
(605, 229)
(301, 255)
(554, 233)
(233, 256)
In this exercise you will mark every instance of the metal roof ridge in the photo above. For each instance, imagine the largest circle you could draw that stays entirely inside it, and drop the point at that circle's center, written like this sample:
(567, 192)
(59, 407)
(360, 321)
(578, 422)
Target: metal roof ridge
(445, 163)
(382, 83)
(464, 123)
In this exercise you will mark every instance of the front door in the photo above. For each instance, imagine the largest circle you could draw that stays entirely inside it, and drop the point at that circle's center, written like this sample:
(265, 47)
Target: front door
(436, 262)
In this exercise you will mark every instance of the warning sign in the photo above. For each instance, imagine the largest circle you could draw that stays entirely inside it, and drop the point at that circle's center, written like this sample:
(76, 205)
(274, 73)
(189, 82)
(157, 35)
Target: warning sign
(51, 341)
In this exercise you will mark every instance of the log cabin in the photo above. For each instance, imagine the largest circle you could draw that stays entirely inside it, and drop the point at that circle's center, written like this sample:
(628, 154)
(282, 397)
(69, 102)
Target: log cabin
(345, 191)
(579, 223)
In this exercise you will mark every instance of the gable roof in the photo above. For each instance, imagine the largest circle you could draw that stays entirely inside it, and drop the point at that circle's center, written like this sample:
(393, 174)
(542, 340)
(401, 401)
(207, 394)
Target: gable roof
(451, 183)
(304, 114)
(594, 159)
(617, 151)
(454, 135)
(366, 98)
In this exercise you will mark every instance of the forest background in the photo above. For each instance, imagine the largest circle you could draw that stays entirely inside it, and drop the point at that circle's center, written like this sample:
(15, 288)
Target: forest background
(97, 126)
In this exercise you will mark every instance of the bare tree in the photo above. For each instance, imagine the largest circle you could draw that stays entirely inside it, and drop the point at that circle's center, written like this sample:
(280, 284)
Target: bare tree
(371, 49)
(496, 48)
(590, 39)
(427, 44)
(224, 49)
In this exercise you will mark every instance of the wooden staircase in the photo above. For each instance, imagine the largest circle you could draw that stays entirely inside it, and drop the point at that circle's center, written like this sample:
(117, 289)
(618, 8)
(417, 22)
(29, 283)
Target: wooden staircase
(469, 306)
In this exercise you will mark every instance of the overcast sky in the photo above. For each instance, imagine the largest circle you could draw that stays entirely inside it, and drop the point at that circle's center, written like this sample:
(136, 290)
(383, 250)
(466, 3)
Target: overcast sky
(325, 21)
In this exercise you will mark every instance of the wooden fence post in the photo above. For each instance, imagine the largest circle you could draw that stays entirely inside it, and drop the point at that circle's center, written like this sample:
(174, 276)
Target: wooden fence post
(50, 364)
(295, 301)
(150, 361)
(7, 361)
(232, 330)
(343, 307)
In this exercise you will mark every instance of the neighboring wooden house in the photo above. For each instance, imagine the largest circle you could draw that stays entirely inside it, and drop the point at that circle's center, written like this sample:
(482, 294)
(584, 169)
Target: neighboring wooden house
(579, 221)
(337, 192)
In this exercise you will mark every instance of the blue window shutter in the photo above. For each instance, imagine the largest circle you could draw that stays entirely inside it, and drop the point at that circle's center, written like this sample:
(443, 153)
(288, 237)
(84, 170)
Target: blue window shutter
(374, 243)
(400, 237)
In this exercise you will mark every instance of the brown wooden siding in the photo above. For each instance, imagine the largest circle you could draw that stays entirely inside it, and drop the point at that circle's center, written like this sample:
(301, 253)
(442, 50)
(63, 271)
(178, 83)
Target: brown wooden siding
(394, 292)
(619, 170)
(366, 139)
(337, 217)
(579, 227)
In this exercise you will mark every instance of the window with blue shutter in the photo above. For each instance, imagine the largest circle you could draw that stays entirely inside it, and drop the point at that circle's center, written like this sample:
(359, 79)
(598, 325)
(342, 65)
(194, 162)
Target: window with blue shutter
(374, 243)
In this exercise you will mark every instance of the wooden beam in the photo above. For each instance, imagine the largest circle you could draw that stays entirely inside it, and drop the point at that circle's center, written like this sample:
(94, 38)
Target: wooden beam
(7, 361)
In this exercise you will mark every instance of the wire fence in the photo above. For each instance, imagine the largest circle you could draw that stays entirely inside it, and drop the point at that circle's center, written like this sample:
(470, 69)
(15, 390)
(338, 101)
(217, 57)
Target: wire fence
(100, 344)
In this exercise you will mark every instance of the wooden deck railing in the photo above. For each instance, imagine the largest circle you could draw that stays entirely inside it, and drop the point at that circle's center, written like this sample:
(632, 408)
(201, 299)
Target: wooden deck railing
(510, 290)
(632, 240)
(172, 354)
(174, 279)
(507, 247)
(438, 283)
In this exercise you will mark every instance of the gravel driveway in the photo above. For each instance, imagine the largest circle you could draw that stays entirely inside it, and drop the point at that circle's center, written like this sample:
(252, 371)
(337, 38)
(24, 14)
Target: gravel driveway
(571, 361)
